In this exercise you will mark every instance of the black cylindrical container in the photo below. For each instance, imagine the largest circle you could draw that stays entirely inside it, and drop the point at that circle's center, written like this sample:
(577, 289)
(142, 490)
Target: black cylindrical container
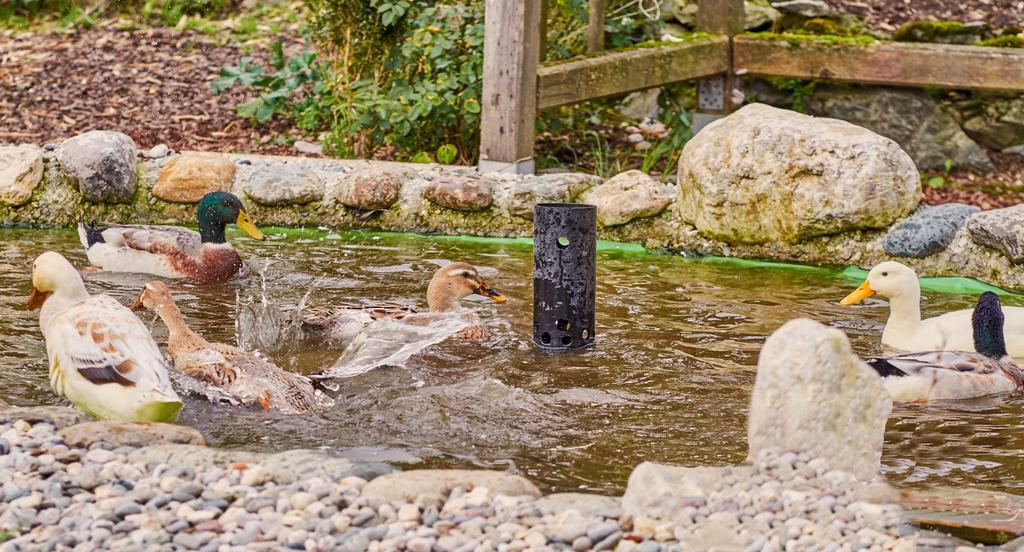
(564, 275)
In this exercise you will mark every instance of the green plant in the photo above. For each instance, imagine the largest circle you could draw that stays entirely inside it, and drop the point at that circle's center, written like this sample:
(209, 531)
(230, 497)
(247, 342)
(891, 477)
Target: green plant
(447, 154)
(295, 88)
(948, 166)
(1005, 41)
(798, 90)
(421, 157)
(936, 182)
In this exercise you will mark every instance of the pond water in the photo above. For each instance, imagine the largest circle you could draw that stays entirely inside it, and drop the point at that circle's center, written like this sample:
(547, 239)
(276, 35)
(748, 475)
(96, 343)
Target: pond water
(669, 380)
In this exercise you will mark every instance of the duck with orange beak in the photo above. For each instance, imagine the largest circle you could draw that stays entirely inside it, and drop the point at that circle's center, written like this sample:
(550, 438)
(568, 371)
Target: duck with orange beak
(102, 357)
(170, 251)
(448, 287)
(905, 331)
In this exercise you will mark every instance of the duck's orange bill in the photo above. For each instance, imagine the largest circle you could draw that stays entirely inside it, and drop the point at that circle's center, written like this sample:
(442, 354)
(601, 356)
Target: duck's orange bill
(493, 295)
(36, 300)
(858, 295)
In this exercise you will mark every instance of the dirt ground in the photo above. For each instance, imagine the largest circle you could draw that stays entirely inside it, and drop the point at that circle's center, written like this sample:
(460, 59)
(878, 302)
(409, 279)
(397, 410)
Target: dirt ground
(152, 84)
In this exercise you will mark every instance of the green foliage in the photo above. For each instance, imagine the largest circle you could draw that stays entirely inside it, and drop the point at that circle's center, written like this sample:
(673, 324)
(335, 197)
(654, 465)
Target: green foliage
(928, 31)
(296, 88)
(83, 13)
(1005, 41)
(936, 182)
(798, 90)
(428, 93)
(421, 157)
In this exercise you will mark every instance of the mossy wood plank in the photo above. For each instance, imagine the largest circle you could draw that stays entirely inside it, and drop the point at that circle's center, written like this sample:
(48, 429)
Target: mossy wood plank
(888, 63)
(627, 71)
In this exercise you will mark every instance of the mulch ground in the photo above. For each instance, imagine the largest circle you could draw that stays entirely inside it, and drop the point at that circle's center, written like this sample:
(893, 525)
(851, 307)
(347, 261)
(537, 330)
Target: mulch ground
(152, 84)
(890, 14)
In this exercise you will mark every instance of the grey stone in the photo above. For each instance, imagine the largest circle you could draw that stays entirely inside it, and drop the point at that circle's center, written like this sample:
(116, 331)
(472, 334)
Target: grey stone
(373, 187)
(803, 8)
(587, 504)
(599, 533)
(627, 196)
(764, 175)
(548, 188)
(21, 170)
(460, 192)
(845, 427)
(284, 184)
(1002, 229)
(308, 148)
(131, 434)
(102, 163)
(435, 485)
(58, 416)
(928, 231)
(156, 152)
(998, 124)
(928, 133)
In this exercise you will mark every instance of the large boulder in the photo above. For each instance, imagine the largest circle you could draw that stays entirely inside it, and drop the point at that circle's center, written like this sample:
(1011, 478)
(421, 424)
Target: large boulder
(284, 184)
(813, 395)
(928, 133)
(102, 163)
(21, 169)
(186, 178)
(765, 175)
(928, 231)
(628, 196)
(755, 15)
(1001, 229)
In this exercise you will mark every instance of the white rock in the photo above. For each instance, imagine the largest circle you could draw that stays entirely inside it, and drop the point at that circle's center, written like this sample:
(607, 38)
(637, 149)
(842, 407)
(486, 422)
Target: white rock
(770, 175)
(812, 394)
(21, 169)
(409, 512)
(627, 196)
(661, 493)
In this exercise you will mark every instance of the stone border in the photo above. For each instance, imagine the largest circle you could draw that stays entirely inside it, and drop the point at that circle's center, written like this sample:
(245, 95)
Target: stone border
(296, 191)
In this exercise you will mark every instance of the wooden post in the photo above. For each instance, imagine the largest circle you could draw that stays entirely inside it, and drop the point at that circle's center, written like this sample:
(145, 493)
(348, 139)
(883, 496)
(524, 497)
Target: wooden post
(511, 51)
(595, 26)
(714, 94)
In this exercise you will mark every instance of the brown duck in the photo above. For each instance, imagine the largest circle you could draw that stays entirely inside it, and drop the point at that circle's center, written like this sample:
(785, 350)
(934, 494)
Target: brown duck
(250, 378)
(448, 287)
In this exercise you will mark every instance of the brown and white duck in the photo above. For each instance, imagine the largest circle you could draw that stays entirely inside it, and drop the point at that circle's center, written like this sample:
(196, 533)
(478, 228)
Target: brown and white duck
(448, 287)
(170, 251)
(250, 378)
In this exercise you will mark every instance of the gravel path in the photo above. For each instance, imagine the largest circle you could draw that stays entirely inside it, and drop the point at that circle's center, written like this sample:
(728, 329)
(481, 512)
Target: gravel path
(60, 497)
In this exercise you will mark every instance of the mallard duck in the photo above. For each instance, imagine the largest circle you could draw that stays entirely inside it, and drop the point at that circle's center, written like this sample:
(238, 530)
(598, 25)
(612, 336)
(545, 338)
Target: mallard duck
(251, 378)
(448, 287)
(102, 357)
(170, 251)
(940, 375)
(906, 331)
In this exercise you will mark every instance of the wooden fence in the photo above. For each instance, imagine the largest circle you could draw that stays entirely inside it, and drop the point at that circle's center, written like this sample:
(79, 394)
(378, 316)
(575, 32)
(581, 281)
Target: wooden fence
(517, 86)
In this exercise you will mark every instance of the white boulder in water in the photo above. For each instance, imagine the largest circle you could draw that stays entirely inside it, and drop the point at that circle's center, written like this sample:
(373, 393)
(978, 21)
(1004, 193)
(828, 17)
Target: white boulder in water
(813, 395)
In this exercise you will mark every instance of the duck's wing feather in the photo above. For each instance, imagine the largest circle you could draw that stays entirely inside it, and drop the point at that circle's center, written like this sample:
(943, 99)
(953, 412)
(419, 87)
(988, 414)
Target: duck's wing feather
(107, 344)
(955, 361)
(158, 239)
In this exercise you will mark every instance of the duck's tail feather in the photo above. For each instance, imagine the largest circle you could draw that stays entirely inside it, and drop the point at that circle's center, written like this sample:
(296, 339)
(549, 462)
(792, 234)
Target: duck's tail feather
(90, 233)
(885, 368)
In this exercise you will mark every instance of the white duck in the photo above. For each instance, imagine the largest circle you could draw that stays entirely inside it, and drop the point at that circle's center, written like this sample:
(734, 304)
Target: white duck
(102, 357)
(946, 375)
(906, 331)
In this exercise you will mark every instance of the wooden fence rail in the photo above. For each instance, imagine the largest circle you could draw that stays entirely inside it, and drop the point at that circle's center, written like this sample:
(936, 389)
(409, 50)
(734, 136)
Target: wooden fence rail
(516, 87)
